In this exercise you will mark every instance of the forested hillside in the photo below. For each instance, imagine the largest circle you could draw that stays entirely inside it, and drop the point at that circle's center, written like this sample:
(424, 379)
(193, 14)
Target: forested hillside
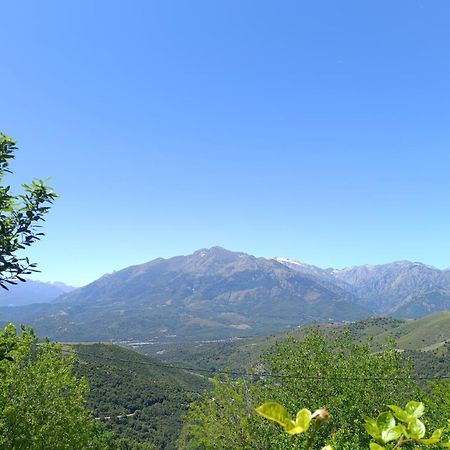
(136, 397)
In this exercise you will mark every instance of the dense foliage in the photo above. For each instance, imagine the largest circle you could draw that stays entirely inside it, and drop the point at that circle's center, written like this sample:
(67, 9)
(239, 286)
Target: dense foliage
(136, 397)
(343, 376)
(41, 402)
(141, 401)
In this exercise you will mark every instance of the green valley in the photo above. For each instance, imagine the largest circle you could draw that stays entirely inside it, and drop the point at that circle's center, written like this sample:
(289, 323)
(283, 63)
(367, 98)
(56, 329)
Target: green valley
(142, 399)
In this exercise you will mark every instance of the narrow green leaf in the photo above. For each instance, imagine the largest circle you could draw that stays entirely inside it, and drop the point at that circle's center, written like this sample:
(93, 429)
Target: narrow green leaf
(399, 413)
(375, 446)
(276, 412)
(434, 438)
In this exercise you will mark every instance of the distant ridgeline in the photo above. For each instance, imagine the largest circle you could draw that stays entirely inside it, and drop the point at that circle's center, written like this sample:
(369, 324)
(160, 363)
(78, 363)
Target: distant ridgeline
(32, 292)
(215, 294)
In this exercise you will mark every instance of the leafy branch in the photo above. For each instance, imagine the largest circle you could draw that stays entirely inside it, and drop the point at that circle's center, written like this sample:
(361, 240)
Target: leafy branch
(20, 216)
(407, 428)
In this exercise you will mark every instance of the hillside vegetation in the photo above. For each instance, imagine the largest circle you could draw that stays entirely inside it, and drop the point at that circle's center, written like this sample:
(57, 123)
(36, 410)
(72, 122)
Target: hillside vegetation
(426, 340)
(426, 333)
(142, 400)
(135, 396)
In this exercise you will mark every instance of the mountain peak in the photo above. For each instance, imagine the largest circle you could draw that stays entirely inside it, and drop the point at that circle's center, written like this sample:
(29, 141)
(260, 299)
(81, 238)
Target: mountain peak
(216, 250)
(284, 260)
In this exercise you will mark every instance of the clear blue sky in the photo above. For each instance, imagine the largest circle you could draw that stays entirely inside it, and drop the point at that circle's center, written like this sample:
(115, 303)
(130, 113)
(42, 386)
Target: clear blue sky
(317, 130)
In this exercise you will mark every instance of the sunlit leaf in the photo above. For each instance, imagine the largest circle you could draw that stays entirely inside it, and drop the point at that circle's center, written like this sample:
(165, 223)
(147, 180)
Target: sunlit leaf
(372, 428)
(275, 412)
(392, 434)
(375, 446)
(415, 429)
(434, 439)
(414, 410)
(385, 421)
(399, 413)
(303, 419)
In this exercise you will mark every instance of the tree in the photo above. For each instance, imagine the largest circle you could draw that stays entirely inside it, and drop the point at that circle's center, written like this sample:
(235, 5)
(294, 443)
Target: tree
(20, 216)
(317, 372)
(41, 401)
(225, 419)
(343, 376)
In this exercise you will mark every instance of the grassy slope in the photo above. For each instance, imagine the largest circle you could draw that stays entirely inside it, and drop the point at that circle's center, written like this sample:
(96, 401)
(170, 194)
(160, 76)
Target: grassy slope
(425, 333)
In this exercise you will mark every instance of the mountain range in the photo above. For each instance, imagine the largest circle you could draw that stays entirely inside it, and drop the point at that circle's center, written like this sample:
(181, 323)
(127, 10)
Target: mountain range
(32, 291)
(403, 288)
(215, 293)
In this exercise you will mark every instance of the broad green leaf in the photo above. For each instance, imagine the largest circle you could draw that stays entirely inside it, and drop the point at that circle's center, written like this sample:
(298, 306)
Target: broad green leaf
(414, 410)
(415, 429)
(392, 434)
(375, 446)
(370, 420)
(387, 429)
(328, 447)
(303, 419)
(385, 421)
(301, 424)
(434, 439)
(276, 412)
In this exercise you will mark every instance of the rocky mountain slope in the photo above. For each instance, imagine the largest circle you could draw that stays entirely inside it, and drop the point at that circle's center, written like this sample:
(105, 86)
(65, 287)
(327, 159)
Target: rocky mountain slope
(404, 288)
(215, 293)
(209, 294)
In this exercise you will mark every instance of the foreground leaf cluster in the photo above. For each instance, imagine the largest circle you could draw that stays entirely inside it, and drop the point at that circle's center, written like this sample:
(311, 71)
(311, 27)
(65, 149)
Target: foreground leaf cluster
(402, 426)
